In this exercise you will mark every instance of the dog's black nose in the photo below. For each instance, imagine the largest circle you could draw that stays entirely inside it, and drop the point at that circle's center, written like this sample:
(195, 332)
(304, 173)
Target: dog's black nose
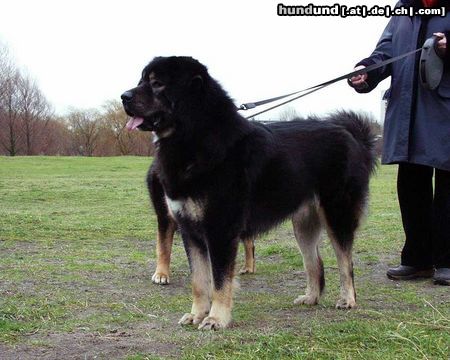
(127, 96)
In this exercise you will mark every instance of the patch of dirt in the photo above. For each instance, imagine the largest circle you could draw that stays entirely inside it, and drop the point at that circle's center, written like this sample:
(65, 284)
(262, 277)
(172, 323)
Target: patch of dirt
(115, 345)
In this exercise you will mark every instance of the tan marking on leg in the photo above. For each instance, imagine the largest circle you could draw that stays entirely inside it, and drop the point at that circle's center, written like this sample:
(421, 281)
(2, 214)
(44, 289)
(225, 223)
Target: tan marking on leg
(222, 302)
(201, 288)
(249, 266)
(164, 242)
(347, 298)
(307, 229)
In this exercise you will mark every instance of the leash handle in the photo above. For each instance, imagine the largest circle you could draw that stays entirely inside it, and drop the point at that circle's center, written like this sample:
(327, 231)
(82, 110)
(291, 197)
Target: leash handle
(431, 66)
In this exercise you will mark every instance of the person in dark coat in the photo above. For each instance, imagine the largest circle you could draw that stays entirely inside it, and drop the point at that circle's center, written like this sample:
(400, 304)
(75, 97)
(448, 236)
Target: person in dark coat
(417, 138)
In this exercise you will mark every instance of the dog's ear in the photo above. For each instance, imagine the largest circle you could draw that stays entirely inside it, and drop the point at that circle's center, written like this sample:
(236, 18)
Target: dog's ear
(197, 82)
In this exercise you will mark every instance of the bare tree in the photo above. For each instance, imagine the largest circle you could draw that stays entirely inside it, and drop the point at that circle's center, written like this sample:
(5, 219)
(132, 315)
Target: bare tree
(115, 118)
(22, 107)
(6, 67)
(53, 137)
(35, 112)
(10, 139)
(85, 127)
(9, 76)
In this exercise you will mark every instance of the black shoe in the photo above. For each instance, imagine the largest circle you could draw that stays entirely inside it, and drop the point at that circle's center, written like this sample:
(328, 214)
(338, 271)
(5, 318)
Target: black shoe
(442, 276)
(405, 272)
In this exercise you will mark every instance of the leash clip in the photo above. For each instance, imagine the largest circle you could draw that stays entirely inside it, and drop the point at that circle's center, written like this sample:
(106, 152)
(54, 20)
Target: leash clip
(247, 106)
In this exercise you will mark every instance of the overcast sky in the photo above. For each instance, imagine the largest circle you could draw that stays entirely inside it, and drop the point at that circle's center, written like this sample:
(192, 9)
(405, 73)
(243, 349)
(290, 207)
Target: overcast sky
(83, 53)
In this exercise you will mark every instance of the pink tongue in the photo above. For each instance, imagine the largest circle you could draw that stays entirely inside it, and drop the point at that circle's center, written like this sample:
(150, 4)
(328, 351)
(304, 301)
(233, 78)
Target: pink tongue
(134, 122)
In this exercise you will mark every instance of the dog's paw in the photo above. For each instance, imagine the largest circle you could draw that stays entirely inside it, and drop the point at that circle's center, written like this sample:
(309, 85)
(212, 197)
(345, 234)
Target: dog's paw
(198, 319)
(160, 278)
(345, 303)
(306, 300)
(212, 323)
(246, 270)
(187, 319)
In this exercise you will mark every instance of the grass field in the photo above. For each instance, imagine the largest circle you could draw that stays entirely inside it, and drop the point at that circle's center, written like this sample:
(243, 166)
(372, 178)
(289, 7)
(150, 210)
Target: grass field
(77, 247)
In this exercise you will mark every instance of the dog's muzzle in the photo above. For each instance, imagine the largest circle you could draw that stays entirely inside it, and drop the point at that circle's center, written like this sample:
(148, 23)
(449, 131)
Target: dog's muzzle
(126, 97)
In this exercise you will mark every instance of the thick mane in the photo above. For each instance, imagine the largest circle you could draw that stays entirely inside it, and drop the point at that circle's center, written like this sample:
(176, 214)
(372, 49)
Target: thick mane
(205, 112)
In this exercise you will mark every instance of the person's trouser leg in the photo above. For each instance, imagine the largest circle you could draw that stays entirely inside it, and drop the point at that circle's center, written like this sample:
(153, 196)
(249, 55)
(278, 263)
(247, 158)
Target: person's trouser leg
(441, 219)
(415, 195)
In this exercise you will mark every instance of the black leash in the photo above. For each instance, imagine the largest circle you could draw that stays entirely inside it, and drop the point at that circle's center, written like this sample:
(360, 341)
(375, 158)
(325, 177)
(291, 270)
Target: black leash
(309, 90)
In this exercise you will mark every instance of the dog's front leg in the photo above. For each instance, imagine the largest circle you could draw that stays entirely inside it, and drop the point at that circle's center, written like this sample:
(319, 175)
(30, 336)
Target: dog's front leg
(166, 228)
(223, 256)
(201, 280)
(164, 242)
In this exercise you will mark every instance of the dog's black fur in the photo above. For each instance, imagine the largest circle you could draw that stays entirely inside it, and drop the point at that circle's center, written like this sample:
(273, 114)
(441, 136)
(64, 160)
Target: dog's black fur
(226, 178)
(166, 228)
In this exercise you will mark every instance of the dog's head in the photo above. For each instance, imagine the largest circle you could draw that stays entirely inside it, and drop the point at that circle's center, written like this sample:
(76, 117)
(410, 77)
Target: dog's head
(167, 87)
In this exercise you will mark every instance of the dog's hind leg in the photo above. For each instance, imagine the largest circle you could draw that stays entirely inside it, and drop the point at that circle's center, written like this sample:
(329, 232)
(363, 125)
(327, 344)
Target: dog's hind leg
(200, 265)
(223, 256)
(307, 229)
(347, 298)
(249, 247)
(342, 222)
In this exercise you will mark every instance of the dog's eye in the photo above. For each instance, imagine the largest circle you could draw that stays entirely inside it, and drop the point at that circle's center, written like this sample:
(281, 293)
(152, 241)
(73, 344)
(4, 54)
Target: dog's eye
(156, 84)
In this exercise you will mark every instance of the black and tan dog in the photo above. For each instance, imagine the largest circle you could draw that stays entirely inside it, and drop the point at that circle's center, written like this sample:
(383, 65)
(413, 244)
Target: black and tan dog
(225, 178)
(166, 229)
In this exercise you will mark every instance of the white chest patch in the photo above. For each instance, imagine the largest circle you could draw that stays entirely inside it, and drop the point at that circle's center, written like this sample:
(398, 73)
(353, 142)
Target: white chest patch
(192, 209)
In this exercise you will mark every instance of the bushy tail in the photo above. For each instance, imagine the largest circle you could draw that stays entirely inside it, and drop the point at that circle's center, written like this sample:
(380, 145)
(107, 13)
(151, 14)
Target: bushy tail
(359, 125)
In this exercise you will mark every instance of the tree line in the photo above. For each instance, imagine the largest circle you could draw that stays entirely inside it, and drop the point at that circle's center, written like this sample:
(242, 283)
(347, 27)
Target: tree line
(29, 125)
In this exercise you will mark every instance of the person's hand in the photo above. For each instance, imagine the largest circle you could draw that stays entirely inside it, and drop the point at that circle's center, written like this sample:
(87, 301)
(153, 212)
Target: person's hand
(359, 81)
(442, 43)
